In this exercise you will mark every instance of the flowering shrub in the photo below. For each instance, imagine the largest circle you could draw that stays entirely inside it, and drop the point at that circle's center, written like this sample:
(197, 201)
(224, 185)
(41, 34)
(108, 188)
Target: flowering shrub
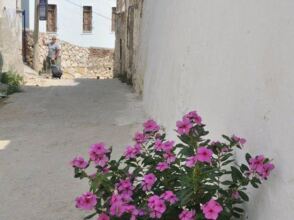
(156, 178)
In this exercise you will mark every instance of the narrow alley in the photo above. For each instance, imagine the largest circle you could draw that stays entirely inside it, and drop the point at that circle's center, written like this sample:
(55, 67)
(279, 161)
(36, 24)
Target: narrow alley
(44, 127)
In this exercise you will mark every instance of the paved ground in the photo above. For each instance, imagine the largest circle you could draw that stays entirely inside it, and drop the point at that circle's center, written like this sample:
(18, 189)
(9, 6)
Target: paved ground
(43, 128)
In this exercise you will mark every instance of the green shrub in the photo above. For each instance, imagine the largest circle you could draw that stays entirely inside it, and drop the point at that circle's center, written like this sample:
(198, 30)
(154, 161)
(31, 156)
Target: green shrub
(13, 80)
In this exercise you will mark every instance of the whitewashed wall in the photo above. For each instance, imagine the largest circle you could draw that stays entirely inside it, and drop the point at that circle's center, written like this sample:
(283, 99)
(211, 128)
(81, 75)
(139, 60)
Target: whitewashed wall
(233, 61)
(10, 36)
(70, 21)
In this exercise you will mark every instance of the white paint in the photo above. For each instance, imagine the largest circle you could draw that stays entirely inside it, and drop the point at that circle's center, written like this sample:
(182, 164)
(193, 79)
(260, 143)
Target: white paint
(233, 62)
(70, 21)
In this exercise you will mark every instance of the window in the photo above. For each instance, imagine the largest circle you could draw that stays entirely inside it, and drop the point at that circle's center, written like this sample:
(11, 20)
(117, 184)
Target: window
(87, 19)
(113, 19)
(52, 18)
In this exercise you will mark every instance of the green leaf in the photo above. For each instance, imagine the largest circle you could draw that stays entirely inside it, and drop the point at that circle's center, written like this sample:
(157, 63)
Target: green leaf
(237, 209)
(244, 196)
(244, 168)
(236, 174)
(227, 138)
(227, 182)
(248, 157)
(227, 162)
(90, 216)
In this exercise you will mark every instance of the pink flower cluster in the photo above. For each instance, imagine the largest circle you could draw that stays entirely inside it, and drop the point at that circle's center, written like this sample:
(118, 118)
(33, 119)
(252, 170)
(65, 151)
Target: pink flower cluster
(170, 197)
(140, 138)
(125, 188)
(260, 166)
(184, 126)
(87, 201)
(120, 206)
(157, 206)
(151, 126)
(79, 162)
(133, 152)
(103, 216)
(211, 209)
(148, 181)
(98, 153)
(203, 155)
(239, 140)
(166, 146)
(187, 215)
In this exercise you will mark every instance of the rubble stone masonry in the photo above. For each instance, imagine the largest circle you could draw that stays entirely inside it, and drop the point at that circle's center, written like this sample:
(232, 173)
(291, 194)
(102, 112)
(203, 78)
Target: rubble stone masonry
(76, 61)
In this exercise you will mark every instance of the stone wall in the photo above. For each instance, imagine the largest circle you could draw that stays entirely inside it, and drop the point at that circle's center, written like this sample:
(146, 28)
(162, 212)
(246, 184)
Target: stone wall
(76, 61)
(127, 31)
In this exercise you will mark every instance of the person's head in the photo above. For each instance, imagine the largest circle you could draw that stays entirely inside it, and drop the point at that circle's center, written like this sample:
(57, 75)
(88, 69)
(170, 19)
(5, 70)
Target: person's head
(54, 39)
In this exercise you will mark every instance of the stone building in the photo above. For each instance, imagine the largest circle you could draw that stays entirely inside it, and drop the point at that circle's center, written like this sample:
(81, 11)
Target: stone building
(128, 14)
(11, 36)
(76, 61)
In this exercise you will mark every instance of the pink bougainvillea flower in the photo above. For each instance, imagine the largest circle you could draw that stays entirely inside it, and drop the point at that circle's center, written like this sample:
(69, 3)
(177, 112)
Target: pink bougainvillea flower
(158, 145)
(129, 152)
(117, 205)
(87, 201)
(204, 154)
(132, 152)
(239, 139)
(170, 197)
(151, 126)
(259, 165)
(256, 163)
(103, 216)
(187, 215)
(140, 138)
(191, 161)
(156, 206)
(101, 160)
(169, 157)
(193, 117)
(211, 209)
(148, 181)
(168, 146)
(79, 162)
(161, 166)
(97, 154)
(267, 168)
(97, 149)
(125, 186)
(184, 126)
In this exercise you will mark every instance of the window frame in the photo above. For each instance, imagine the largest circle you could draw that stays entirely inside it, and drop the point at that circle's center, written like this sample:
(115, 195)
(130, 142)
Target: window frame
(89, 9)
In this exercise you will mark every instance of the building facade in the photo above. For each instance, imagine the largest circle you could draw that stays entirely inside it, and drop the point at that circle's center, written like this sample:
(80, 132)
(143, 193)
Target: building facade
(128, 15)
(85, 23)
(10, 36)
(232, 61)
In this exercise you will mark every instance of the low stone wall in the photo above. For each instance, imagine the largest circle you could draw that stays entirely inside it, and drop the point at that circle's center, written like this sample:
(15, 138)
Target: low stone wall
(76, 61)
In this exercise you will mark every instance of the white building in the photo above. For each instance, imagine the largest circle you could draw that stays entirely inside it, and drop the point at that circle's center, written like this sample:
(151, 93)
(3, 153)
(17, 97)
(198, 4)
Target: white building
(84, 23)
